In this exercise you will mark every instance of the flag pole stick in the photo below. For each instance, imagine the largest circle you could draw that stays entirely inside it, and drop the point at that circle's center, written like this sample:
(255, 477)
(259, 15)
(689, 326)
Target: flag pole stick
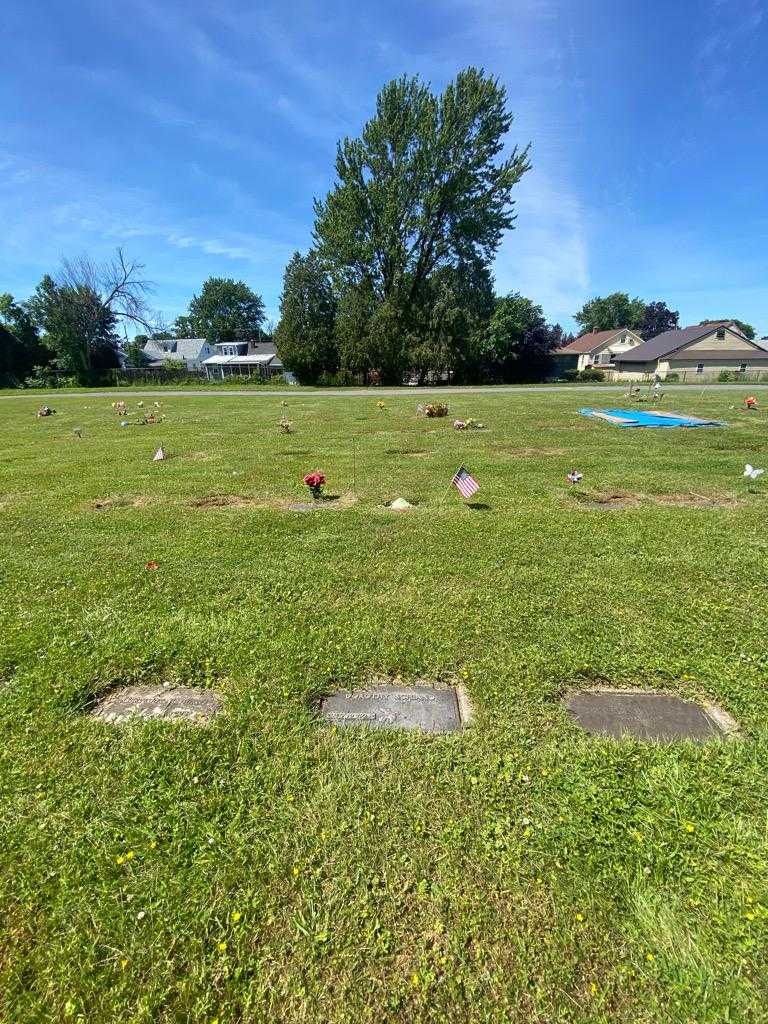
(354, 464)
(450, 485)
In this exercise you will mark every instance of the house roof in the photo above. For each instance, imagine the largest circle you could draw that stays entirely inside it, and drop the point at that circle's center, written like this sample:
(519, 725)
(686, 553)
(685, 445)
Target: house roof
(178, 348)
(189, 348)
(588, 342)
(252, 360)
(670, 341)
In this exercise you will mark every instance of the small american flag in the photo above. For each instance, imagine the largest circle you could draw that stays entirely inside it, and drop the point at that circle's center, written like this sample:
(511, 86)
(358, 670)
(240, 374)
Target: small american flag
(465, 483)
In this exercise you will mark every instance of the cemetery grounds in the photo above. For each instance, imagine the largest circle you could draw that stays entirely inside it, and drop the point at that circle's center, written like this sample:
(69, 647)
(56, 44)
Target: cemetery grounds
(268, 867)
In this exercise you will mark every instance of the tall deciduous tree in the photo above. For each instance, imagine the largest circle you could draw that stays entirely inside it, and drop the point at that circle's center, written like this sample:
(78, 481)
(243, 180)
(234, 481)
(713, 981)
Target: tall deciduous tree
(611, 312)
(76, 325)
(657, 318)
(746, 329)
(20, 345)
(226, 310)
(305, 335)
(183, 327)
(518, 343)
(422, 189)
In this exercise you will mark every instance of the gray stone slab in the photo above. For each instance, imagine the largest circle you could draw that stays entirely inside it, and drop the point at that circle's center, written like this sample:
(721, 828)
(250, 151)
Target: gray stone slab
(180, 703)
(426, 708)
(644, 716)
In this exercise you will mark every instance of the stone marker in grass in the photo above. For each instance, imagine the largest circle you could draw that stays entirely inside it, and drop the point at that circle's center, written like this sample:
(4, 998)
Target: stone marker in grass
(180, 703)
(646, 716)
(388, 706)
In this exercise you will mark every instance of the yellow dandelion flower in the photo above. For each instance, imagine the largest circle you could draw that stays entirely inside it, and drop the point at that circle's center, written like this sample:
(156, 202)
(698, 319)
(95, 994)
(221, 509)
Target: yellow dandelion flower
(689, 827)
(236, 915)
(415, 980)
(579, 917)
(593, 989)
(222, 947)
(295, 871)
(121, 859)
(123, 964)
(153, 845)
(129, 855)
(749, 915)
(650, 957)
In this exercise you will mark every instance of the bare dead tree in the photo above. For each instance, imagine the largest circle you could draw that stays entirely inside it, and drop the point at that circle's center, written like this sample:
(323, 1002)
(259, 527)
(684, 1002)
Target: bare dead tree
(118, 284)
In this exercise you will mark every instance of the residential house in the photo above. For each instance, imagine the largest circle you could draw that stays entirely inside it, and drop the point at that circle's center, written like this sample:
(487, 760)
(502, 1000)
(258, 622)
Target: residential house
(243, 359)
(596, 348)
(190, 351)
(702, 351)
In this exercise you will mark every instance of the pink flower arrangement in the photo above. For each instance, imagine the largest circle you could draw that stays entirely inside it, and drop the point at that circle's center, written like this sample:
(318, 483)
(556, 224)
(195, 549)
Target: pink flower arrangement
(314, 482)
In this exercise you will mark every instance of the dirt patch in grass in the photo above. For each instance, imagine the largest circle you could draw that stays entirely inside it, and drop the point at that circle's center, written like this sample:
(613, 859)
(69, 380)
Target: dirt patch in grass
(226, 501)
(527, 453)
(633, 499)
(119, 501)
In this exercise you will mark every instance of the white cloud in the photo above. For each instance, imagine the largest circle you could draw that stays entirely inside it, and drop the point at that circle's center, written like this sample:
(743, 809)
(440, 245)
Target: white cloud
(546, 256)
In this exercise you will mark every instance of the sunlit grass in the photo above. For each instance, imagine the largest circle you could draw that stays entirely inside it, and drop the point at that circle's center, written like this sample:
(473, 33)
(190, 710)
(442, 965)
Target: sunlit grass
(265, 868)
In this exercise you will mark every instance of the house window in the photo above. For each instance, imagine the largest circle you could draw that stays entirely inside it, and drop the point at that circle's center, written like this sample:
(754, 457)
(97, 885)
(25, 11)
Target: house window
(721, 334)
(612, 357)
(742, 367)
(699, 367)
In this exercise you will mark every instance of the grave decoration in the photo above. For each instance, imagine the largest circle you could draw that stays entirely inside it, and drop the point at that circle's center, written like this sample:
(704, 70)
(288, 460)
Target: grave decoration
(468, 424)
(750, 402)
(752, 473)
(314, 482)
(436, 410)
(575, 477)
(285, 425)
(45, 410)
(152, 565)
(399, 505)
(160, 455)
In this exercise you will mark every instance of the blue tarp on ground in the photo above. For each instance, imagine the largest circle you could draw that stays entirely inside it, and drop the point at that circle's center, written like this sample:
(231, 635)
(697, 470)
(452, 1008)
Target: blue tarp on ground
(641, 418)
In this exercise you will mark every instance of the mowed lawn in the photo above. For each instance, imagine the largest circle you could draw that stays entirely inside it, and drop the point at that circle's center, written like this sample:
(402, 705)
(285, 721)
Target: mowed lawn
(267, 868)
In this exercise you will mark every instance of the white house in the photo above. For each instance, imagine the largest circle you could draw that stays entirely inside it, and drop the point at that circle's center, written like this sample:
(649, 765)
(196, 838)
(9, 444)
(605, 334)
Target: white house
(243, 359)
(191, 351)
(596, 348)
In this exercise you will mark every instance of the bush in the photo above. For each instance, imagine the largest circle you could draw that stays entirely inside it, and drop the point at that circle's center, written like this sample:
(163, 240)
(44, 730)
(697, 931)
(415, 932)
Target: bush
(672, 377)
(341, 379)
(571, 375)
(725, 377)
(42, 377)
(591, 374)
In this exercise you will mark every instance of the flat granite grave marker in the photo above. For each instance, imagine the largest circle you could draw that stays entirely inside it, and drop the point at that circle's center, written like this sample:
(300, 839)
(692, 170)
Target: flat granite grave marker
(646, 716)
(427, 708)
(180, 703)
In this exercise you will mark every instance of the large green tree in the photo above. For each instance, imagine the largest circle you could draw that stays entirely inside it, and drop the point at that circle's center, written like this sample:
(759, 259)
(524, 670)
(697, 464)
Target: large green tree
(746, 329)
(20, 345)
(226, 310)
(75, 324)
(606, 313)
(305, 335)
(518, 343)
(425, 187)
(657, 318)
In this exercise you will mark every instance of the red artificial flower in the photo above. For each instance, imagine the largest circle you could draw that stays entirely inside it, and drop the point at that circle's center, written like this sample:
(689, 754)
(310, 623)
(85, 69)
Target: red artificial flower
(316, 479)
(152, 565)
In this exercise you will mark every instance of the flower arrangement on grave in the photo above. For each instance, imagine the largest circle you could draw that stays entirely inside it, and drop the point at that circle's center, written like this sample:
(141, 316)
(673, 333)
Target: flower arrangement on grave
(381, 405)
(314, 482)
(436, 410)
(286, 427)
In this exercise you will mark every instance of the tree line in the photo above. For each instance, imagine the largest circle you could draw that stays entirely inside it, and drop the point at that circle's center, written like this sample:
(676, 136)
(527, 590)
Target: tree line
(397, 284)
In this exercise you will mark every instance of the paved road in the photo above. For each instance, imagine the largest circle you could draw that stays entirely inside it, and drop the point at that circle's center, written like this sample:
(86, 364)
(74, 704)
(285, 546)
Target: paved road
(259, 392)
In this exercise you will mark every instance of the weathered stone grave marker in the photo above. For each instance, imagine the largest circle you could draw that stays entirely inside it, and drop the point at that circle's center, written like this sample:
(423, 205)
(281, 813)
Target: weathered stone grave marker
(646, 716)
(388, 706)
(180, 703)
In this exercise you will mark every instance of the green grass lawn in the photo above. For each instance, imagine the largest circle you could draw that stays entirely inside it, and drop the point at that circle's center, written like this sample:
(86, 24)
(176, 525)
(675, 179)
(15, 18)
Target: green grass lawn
(268, 869)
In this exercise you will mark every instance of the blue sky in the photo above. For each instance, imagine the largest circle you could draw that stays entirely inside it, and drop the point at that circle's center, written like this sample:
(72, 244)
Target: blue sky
(197, 134)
